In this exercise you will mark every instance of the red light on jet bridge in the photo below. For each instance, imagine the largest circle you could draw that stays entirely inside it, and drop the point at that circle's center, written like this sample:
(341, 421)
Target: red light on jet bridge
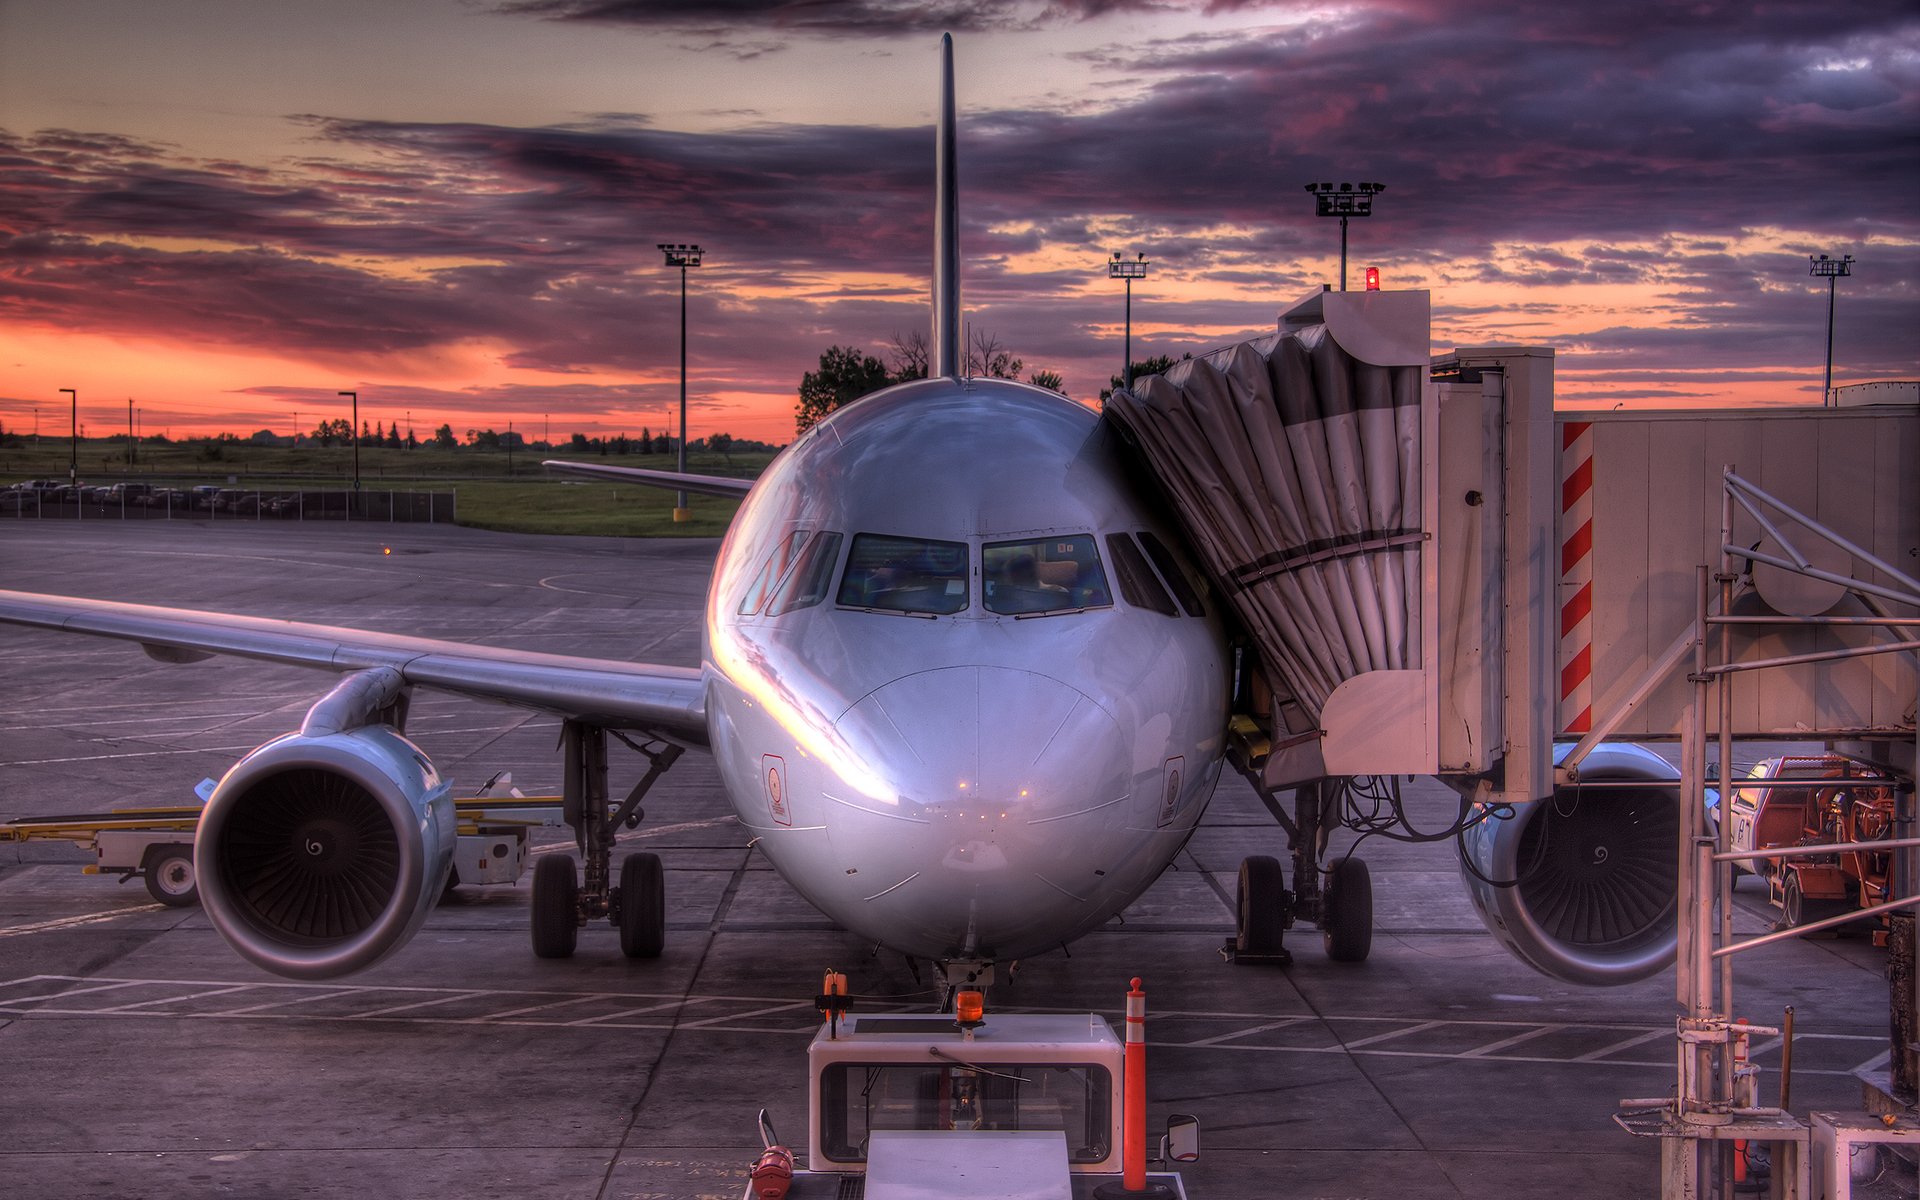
(1373, 279)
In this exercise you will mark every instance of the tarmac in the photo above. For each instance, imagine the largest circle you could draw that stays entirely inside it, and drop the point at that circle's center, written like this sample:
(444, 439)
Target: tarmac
(140, 1057)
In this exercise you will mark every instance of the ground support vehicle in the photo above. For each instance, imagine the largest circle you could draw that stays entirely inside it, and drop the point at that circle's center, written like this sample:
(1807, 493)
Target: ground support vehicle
(1840, 802)
(156, 843)
(1028, 1105)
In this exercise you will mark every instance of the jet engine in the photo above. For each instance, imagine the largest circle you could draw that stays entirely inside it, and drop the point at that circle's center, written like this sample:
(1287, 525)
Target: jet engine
(1583, 885)
(321, 852)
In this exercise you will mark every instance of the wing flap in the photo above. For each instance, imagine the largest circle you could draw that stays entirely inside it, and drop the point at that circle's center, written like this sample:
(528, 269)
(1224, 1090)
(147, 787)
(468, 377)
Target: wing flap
(658, 699)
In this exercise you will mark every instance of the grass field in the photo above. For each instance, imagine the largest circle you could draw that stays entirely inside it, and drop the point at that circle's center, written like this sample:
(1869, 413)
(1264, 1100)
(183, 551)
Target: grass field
(528, 500)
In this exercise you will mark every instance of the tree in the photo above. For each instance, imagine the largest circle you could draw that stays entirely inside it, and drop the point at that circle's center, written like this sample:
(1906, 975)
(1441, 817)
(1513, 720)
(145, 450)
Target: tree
(1159, 364)
(379, 434)
(986, 356)
(1053, 381)
(443, 438)
(844, 376)
(722, 444)
(393, 436)
(907, 356)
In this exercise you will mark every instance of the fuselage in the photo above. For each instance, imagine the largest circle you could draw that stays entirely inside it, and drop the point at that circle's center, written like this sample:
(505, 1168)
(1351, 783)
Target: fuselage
(959, 685)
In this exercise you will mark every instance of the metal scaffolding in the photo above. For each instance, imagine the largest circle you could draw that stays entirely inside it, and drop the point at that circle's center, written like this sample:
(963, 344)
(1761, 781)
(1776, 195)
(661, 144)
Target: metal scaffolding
(1715, 1102)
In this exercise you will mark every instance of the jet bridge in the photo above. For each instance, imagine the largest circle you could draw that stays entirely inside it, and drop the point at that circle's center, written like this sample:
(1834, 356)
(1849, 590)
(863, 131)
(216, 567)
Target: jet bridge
(1440, 574)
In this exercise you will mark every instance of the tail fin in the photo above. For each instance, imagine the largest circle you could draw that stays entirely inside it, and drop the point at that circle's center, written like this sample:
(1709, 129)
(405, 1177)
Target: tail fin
(946, 356)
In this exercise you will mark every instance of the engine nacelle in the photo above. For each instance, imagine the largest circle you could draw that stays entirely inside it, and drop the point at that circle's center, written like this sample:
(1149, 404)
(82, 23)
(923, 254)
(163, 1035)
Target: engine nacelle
(1592, 874)
(320, 855)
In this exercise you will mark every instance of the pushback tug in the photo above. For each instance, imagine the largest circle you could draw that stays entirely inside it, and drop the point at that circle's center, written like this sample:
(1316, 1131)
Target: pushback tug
(1039, 1106)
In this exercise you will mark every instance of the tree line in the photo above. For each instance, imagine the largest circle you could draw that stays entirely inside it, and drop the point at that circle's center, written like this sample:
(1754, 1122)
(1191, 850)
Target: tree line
(846, 373)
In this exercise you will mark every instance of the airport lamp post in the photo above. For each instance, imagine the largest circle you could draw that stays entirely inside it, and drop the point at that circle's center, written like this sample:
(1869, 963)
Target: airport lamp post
(1344, 200)
(73, 460)
(1120, 268)
(1831, 269)
(129, 430)
(682, 256)
(355, 397)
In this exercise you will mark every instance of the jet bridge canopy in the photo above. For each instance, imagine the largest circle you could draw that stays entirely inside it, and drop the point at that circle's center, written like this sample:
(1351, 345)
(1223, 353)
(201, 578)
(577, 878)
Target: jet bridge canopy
(1295, 464)
(1441, 574)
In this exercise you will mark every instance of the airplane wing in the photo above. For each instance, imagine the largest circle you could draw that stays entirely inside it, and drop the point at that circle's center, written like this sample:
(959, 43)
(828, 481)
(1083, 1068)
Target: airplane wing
(668, 701)
(705, 485)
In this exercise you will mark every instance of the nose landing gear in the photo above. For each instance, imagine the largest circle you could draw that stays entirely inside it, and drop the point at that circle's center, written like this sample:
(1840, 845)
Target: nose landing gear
(1266, 909)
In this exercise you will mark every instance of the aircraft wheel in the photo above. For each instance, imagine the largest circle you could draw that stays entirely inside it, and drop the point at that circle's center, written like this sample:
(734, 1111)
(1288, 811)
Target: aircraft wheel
(1262, 902)
(643, 906)
(170, 878)
(556, 907)
(1348, 912)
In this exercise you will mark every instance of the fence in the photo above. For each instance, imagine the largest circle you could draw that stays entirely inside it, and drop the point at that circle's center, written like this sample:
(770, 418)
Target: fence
(232, 504)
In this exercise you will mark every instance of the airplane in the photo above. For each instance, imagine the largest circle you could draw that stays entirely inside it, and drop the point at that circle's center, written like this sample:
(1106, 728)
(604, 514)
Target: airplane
(960, 681)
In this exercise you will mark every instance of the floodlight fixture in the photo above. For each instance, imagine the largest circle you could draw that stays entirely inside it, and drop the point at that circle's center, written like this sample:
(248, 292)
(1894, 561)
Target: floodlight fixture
(1830, 269)
(681, 255)
(1129, 270)
(1344, 200)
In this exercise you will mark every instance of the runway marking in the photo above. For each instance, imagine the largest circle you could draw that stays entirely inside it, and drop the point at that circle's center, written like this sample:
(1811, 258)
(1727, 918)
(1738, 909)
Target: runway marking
(1218, 1039)
(1422, 1027)
(640, 835)
(82, 919)
(1507, 1043)
(1627, 1044)
(1394, 1037)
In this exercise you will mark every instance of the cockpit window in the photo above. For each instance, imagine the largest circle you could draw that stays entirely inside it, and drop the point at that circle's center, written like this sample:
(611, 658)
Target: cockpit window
(1138, 584)
(810, 580)
(897, 574)
(1174, 570)
(771, 572)
(1058, 574)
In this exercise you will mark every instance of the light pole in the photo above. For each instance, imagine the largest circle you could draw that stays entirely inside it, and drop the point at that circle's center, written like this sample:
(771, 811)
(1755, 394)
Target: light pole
(73, 460)
(1831, 269)
(1344, 200)
(355, 397)
(682, 256)
(129, 431)
(1120, 268)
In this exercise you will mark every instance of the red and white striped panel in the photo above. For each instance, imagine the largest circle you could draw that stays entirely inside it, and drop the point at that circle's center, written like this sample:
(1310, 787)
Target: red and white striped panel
(1576, 576)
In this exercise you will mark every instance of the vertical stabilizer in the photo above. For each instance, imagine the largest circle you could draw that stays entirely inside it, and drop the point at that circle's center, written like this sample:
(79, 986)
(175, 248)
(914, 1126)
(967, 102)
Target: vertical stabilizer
(945, 359)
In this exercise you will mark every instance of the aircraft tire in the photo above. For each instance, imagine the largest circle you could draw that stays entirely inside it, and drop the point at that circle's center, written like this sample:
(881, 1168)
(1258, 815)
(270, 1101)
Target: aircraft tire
(1262, 906)
(1348, 908)
(170, 878)
(556, 907)
(643, 906)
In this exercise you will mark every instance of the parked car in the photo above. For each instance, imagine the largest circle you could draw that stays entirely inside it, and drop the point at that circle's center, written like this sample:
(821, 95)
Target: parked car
(204, 494)
(129, 493)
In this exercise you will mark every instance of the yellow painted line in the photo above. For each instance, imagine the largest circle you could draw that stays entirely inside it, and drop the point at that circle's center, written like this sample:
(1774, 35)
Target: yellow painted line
(84, 919)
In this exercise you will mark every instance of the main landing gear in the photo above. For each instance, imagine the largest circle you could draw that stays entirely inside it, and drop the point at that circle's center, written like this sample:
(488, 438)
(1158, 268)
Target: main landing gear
(1266, 909)
(565, 899)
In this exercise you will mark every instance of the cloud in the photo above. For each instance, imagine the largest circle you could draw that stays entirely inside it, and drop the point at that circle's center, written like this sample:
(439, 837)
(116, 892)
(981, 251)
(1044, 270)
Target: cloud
(1686, 158)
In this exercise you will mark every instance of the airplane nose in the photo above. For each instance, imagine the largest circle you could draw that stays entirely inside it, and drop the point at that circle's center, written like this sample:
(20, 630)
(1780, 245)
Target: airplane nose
(1011, 801)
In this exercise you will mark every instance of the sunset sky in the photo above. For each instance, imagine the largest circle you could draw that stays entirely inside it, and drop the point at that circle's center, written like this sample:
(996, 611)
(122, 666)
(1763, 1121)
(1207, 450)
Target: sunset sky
(230, 210)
